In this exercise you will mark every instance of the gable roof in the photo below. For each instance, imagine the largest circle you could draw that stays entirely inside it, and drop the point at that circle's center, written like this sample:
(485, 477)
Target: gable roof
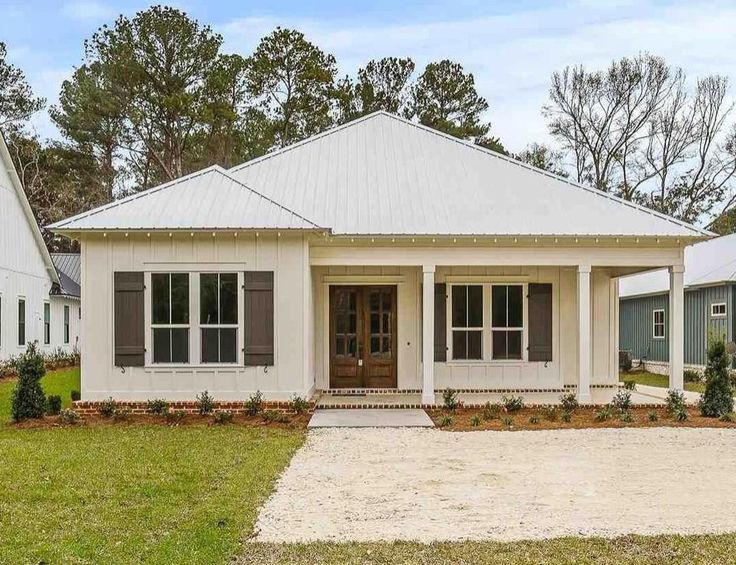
(706, 263)
(207, 199)
(69, 268)
(384, 175)
(7, 161)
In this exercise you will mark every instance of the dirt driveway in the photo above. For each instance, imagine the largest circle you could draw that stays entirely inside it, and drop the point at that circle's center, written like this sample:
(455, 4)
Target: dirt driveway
(427, 485)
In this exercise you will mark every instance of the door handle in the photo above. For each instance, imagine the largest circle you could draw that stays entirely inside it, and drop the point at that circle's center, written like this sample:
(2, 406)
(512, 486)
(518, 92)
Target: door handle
(360, 362)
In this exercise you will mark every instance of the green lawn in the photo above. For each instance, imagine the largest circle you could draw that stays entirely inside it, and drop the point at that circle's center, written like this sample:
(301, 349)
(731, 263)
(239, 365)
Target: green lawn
(652, 379)
(60, 382)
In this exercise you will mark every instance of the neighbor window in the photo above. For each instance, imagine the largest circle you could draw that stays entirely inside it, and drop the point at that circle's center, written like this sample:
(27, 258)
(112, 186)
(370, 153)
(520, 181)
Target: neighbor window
(21, 322)
(46, 323)
(507, 321)
(467, 321)
(718, 309)
(658, 318)
(66, 323)
(218, 317)
(169, 317)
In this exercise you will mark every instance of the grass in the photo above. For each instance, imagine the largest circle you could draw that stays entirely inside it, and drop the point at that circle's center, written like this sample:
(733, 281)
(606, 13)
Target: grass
(60, 382)
(653, 379)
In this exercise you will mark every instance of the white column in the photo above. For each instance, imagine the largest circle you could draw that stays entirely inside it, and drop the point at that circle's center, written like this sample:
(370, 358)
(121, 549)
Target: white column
(584, 358)
(676, 323)
(428, 334)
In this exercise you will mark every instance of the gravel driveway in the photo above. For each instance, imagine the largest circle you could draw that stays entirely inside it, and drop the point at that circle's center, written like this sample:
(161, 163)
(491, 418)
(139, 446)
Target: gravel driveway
(427, 485)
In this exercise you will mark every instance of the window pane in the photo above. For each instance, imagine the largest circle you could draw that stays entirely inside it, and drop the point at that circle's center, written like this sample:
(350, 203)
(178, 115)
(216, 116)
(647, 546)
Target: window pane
(208, 298)
(475, 306)
(47, 312)
(459, 303)
(514, 345)
(228, 345)
(474, 345)
(229, 298)
(387, 346)
(516, 306)
(161, 345)
(386, 325)
(160, 298)
(375, 345)
(498, 306)
(210, 345)
(179, 298)
(386, 300)
(499, 345)
(459, 345)
(375, 323)
(179, 345)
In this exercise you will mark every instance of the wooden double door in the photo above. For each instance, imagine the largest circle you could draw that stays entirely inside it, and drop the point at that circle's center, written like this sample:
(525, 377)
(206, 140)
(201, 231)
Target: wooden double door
(363, 336)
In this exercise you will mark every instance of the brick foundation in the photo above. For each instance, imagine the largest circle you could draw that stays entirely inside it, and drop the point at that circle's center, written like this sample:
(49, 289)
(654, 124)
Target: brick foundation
(91, 408)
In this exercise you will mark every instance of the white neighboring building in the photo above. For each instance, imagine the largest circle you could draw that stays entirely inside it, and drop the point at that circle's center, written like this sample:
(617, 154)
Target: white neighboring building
(36, 303)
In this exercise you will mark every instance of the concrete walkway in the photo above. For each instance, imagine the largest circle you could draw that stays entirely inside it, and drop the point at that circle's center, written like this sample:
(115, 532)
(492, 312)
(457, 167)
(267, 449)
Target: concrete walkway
(355, 418)
(658, 392)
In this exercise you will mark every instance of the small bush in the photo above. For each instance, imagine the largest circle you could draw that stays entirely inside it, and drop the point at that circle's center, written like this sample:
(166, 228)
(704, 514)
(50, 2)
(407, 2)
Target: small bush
(730, 417)
(445, 421)
(157, 406)
(717, 399)
(566, 416)
(76, 396)
(175, 416)
(491, 411)
(121, 415)
(627, 417)
(629, 384)
(107, 408)
(691, 376)
(53, 404)
(512, 403)
(534, 419)
(622, 401)
(551, 413)
(449, 399)
(275, 417)
(675, 401)
(254, 404)
(298, 405)
(223, 416)
(205, 403)
(68, 416)
(507, 422)
(569, 402)
(475, 421)
(603, 414)
(652, 416)
(680, 414)
(29, 400)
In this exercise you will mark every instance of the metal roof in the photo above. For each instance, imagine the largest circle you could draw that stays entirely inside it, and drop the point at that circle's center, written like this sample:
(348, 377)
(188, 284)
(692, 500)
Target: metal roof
(208, 199)
(706, 263)
(382, 174)
(69, 268)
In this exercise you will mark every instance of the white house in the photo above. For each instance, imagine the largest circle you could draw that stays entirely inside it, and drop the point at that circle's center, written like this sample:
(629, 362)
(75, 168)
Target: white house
(36, 304)
(378, 255)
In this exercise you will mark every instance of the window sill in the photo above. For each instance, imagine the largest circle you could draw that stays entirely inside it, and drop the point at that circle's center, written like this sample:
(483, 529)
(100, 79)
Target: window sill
(475, 362)
(184, 366)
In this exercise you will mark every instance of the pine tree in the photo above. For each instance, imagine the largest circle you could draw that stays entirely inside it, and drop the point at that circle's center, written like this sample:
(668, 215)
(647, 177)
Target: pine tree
(29, 400)
(717, 399)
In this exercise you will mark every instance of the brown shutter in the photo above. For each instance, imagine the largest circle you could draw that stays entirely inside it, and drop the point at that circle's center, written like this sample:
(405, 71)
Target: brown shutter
(540, 322)
(440, 322)
(258, 347)
(129, 320)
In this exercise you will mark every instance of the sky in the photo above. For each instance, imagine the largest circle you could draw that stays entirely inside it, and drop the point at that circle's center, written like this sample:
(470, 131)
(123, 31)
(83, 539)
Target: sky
(511, 47)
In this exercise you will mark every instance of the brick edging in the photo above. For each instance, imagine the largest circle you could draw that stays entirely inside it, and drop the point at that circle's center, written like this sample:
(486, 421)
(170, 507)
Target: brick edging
(92, 407)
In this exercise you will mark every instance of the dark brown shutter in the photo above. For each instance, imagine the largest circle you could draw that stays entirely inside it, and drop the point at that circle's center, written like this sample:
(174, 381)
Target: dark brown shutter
(440, 322)
(540, 322)
(258, 347)
(129, 320)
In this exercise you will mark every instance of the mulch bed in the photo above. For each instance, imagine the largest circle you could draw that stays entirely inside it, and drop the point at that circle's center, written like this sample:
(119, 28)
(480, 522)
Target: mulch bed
(581, 418)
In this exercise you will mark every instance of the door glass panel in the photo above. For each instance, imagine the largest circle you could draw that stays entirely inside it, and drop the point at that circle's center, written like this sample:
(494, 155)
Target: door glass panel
(353, 323)
(375, 346)
(387, 346)
(387, 300)
(375, 323)
(352, 346)
(386, 327)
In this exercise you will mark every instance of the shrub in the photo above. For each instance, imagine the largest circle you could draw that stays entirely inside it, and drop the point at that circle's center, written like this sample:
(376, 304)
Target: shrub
(121, 414)
(274, 416)
(717, 399)
(551, 413)
(76, 396)
(680, 414)
(68, 416)
(107, 408)
(205, 403)
(445, 421)
(157, 406)
(449, 399)
(627, 417)
(491, 411)
(512, 403)
(566, 416)
(622, 401)
(298, 405)
(730, 417)
(29, 400)
(507, 421)
(675, 401)
(254, 404)
(223, 416)
(691, 376)
(629, 384)
(569, 401)
(534, 419)
(53, 404)
(475, 421)
(653, 416)
(603, 414)
(175, 416)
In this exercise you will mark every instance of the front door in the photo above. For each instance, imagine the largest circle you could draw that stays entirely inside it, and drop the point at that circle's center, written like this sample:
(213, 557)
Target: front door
(363, 337)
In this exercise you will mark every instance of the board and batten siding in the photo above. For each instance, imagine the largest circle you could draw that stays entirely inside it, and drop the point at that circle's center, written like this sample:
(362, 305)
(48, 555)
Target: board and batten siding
(636, 323)
(287, 256)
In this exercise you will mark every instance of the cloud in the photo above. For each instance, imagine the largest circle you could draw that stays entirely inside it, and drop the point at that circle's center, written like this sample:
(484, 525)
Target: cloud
(88, 11)
(512, 55)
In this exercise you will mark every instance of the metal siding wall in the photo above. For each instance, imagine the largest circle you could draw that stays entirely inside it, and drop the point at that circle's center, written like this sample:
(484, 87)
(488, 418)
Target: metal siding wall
(635, 327)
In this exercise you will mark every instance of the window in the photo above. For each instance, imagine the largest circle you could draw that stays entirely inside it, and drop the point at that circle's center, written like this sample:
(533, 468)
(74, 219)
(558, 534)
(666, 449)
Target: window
(507, 321)
(218, 317)
(66, 323)
(718, 310)
(21, 321)
(169, 317)
(658, 326)
(46, 323)
(467, 321)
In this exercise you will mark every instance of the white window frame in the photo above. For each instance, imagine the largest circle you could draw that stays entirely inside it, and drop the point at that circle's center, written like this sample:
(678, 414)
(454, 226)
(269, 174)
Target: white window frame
(46, 304)
(714, 314)
(663, 323)
(452, 328)
(236, 326)
(151, 326)
(524, 321)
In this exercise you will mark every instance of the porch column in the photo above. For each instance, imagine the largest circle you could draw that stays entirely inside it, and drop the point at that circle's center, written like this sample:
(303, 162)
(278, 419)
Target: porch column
(676, 323)
(428, 334)
(584, 358)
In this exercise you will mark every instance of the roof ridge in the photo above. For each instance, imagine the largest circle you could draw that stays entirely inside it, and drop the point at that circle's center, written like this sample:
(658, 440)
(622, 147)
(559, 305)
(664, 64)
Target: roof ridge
(523, 165)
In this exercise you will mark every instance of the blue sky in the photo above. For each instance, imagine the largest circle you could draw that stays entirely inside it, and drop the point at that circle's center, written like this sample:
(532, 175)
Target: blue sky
(512, 47)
